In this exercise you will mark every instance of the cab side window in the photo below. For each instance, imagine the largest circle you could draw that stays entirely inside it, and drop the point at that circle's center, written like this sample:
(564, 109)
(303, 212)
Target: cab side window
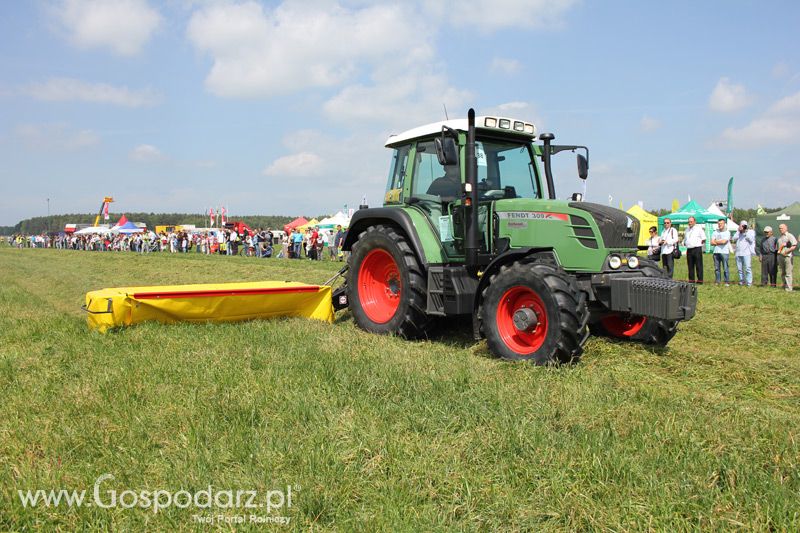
(426, 170)
(397, 169)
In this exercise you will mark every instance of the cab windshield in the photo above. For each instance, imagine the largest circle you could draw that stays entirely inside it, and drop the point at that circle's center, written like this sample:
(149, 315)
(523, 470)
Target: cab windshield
(506, 170)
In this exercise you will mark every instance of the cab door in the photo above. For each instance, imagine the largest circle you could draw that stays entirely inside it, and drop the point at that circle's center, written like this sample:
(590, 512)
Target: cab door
(435, 190)
(397, 175)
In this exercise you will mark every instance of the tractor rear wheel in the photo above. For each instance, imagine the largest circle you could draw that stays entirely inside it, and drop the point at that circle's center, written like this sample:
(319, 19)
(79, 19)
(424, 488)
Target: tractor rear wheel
(534, 312)
(386, 285)
(652, 331)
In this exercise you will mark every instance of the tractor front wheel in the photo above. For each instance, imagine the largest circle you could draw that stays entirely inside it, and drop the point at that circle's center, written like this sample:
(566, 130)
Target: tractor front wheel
(386, 286)
(534, 312)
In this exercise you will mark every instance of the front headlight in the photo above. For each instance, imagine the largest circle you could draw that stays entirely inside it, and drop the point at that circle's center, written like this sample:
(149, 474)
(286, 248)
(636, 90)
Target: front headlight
(633, 261)
(614, 262)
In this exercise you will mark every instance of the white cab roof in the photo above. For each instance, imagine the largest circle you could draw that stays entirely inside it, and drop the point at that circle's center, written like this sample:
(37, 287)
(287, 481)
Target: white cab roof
(459, 125)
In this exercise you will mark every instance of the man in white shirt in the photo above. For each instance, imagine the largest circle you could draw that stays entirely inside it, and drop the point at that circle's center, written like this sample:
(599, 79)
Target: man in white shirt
(694, 240)
(668, 242)
(787, 244)
(745, 240)
(719, 240)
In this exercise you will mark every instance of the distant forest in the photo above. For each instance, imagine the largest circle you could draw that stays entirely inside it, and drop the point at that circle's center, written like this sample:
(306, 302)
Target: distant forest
(55, 223)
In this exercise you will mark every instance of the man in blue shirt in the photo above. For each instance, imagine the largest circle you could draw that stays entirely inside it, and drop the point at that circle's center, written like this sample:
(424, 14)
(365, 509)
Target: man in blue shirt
(297, 240)
(745, 240)
(719, 240)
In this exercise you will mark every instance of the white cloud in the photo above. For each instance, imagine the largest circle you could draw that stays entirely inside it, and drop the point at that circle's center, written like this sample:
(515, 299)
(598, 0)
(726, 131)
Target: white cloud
(648, 124)
(56, 136)
(328, 170)
(505, 66)
(146, 153)
(779, 124)
(258, 52)
(299, 165)
(789, 104)
(780, 70)
(728, 97)
(405, 92)
(408, 102)
(764, 130)
(67, 89)
(124, 26)
(530, 14)
(512, 107)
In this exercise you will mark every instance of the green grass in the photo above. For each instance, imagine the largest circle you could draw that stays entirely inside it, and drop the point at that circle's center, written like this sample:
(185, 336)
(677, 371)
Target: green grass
(378, 433)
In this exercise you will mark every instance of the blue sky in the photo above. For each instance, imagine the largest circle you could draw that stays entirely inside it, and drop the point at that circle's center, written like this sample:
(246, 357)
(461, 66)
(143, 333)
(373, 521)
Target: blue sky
(283, 108)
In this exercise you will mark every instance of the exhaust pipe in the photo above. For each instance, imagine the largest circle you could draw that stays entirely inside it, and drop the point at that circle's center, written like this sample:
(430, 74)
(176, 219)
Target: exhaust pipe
(547, 138)
(471, 197)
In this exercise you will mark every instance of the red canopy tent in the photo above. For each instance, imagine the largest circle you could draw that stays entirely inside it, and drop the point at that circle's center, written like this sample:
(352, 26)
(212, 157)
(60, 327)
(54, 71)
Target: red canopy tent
(122, 221)
(299, 221)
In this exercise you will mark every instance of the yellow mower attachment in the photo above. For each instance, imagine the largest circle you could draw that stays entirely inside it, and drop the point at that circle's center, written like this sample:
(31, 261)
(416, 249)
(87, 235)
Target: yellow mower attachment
(218, 302)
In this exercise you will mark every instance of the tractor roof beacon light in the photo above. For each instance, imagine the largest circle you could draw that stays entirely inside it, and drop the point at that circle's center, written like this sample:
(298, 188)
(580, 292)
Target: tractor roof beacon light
(471, 179)
(548, 170)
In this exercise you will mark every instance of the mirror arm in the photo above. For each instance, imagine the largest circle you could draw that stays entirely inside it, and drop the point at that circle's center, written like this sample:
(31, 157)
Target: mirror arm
(554, 149)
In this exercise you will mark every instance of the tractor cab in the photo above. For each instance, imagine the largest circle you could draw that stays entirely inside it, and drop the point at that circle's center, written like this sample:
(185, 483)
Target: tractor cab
(428, 172)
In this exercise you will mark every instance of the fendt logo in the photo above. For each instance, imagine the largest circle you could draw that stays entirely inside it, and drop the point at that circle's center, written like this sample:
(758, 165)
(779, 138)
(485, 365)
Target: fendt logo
(532, 215)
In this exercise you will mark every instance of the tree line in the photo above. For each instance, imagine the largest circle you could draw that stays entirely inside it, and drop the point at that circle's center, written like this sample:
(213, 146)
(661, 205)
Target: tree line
(56, 223)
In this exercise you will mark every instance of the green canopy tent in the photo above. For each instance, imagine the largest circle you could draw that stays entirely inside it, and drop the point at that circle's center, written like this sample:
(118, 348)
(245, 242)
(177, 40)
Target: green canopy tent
(789, 216)
(680, 220)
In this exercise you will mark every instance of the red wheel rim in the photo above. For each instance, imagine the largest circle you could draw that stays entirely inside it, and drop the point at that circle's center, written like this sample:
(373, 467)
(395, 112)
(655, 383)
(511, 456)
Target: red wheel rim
(521, 342)
(379, 286)
(623, 325)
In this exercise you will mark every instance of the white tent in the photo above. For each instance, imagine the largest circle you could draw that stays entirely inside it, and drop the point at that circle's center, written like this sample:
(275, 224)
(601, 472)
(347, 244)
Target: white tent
(714, 208)
(91, 230)
(335, 220)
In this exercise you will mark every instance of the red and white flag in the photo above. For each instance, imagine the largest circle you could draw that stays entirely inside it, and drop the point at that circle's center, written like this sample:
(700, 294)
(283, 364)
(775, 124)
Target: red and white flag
(211, 216)
(222, 218)
(105, 211)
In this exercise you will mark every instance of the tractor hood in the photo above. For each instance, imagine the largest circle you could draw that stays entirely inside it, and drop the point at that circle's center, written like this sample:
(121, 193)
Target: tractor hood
(618, 229)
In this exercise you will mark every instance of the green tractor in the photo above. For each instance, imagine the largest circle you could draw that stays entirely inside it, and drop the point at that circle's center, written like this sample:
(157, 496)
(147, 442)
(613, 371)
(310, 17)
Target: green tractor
(471, 229)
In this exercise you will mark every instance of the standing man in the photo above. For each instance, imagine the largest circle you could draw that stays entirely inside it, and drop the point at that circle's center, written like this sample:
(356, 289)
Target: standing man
(668, 242)
(745, 240)
(653, 248)
(337, 241)
(719, 240)
(297, 242)
(256, 240)
(787, 244)
(694, 240)
(768, 253)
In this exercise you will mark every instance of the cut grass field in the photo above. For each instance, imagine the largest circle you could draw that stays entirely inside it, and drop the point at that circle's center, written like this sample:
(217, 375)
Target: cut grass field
(377, 433)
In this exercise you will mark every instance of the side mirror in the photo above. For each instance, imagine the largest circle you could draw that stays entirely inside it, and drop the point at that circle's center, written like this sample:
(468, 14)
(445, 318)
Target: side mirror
(583, 167)
(446, 150)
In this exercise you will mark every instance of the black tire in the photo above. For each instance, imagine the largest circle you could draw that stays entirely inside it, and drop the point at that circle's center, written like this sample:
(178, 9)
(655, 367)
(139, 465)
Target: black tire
(554, 297)
(408, 285)
(653, 332)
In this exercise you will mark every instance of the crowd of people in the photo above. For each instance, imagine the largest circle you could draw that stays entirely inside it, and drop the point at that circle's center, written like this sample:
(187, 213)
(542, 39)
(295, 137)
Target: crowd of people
(312, 243)
(774, 252)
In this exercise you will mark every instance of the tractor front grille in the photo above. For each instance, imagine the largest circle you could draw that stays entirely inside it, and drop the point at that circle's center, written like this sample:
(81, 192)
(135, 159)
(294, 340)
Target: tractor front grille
(617, 228)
